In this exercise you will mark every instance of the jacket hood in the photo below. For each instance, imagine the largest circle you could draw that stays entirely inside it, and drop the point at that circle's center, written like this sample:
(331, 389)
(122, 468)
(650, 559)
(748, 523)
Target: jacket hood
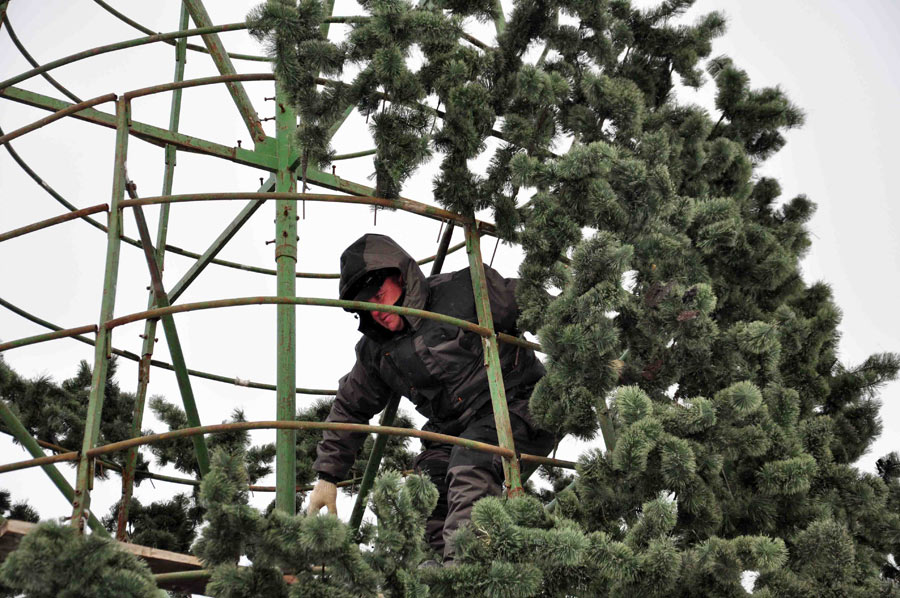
(375, 252)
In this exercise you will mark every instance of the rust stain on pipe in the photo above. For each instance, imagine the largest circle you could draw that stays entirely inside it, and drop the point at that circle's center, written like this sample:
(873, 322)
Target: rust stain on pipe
(110, 97)
(53, 221)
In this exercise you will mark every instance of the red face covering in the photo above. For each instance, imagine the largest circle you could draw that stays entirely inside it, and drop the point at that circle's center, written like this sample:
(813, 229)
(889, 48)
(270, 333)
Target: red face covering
(390, 291)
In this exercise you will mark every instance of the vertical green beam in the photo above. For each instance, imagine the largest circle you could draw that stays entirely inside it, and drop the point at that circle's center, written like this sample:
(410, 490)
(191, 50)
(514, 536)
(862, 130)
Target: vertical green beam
(85, 477)
(18, 430)
(3, 5)
(140, 399)
(492, 361)
(223, 63)
(286, 342)
(499, 19)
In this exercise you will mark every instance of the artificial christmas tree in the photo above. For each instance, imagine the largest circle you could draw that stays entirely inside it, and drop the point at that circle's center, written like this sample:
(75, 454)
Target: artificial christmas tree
(730, 432)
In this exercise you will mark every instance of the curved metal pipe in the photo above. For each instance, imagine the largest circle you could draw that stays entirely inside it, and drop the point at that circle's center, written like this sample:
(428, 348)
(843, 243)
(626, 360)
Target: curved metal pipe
(109, 97)
(340, 426)
(34, 63)
(172, 248)
(162, 364)
(193, 47)
(131, 43)
(30, 228)
(406, 205)
(289, 425)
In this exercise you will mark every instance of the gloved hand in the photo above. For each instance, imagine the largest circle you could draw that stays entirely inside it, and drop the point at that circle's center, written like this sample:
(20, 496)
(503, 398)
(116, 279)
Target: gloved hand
(323, 495)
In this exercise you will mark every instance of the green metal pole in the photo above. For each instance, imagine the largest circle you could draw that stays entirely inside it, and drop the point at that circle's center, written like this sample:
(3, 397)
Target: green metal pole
(85, 478)
(359, 507)
(18, 430)
(225, 66)
(492, 361)
(140, 399)
(499, 19)
(168, 322)
(3, 6)
(286, 341)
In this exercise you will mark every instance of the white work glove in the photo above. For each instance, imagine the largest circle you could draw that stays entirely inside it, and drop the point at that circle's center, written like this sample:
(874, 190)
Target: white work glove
(323, 495)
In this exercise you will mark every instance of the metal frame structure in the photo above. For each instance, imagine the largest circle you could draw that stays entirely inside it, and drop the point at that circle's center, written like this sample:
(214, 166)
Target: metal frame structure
(281, 158)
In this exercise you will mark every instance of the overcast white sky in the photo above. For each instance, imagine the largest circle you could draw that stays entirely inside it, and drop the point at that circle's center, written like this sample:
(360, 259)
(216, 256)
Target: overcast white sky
(837, 60)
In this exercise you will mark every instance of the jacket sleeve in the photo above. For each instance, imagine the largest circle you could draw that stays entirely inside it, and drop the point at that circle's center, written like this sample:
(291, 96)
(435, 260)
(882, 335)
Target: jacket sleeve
(360, 395)
(502, 293)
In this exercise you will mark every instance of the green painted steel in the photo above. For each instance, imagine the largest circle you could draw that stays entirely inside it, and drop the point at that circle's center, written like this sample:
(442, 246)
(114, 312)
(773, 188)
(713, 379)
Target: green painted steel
(20, 433)
(492, 362)
(85, 476)
(372, 465)
(286, 316)
(140, 398)
(184, 382)
(149, 133)
(223, 63)
(499, 19)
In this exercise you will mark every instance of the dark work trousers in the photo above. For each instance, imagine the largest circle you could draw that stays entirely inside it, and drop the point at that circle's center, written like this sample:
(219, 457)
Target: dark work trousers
(463, 476)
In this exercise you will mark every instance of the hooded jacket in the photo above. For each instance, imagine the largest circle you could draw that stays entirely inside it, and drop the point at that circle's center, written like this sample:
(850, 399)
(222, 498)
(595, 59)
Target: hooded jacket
(438, 366)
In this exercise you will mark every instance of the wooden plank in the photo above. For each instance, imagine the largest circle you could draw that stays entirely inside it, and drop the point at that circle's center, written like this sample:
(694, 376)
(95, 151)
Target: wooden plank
(160, 561)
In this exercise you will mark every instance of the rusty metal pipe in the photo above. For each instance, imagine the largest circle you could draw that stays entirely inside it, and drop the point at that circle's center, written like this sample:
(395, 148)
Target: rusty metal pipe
(406, 205)
(163, 364)
(146, 91)
(110, 97)
(340, 426)
(53, 221)
(48, 336)
(295, 425)
(70, 456)
(131, 43)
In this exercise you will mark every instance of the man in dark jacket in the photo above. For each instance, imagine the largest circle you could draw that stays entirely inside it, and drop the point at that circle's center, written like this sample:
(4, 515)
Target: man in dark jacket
(440, 368)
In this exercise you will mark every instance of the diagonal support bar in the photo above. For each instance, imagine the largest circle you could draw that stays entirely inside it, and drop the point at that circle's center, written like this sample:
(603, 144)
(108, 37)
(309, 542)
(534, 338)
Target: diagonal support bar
(20, 432)
(492, 361)
(372, 465)
(209, 255)
(140, 398)
(181, 373)
(226, 67)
